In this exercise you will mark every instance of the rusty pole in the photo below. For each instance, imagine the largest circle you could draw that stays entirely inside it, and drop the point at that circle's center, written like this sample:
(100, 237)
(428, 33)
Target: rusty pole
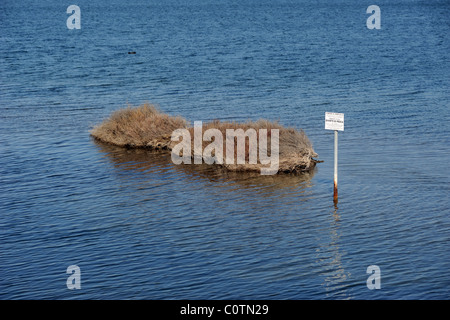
(335, 194)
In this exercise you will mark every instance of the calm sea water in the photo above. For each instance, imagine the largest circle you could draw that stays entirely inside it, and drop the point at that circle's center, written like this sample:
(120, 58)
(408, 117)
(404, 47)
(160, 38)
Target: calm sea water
(140, 227)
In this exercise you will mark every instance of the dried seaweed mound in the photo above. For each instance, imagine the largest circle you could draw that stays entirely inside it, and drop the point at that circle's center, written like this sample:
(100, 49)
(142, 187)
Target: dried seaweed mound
(146, 127)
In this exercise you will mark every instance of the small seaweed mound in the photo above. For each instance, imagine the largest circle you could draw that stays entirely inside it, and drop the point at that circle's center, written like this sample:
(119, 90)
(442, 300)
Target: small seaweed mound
(140, 127)
(146, 127)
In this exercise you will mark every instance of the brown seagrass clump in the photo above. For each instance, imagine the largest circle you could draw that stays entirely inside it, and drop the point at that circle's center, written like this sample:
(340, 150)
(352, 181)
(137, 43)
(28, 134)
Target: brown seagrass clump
(146, 127)
(140, 127)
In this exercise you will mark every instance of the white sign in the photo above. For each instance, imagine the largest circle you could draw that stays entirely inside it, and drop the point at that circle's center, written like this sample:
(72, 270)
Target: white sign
(334, 121)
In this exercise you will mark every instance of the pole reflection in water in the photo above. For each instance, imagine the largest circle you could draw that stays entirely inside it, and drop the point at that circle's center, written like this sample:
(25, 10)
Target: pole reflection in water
(330, 259)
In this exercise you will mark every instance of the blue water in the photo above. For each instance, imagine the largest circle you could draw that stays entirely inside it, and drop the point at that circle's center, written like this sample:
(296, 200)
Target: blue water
(140, 227)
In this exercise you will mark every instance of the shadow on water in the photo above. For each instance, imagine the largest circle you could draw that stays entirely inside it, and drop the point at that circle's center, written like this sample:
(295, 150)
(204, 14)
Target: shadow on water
(150, 162)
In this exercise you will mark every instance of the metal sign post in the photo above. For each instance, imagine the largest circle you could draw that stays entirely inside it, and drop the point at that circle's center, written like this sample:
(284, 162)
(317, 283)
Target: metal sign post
(335, 121)
(335, 193)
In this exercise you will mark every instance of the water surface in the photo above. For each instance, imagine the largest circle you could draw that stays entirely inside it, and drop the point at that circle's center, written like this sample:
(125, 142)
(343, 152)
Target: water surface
(140, 227)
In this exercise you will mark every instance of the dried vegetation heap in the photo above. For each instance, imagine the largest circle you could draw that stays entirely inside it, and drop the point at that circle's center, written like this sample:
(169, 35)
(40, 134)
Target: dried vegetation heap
(139, 127)
(146, 127)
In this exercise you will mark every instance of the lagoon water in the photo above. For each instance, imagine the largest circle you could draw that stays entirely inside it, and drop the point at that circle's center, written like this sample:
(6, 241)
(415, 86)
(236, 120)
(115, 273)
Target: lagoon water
(140, 227)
